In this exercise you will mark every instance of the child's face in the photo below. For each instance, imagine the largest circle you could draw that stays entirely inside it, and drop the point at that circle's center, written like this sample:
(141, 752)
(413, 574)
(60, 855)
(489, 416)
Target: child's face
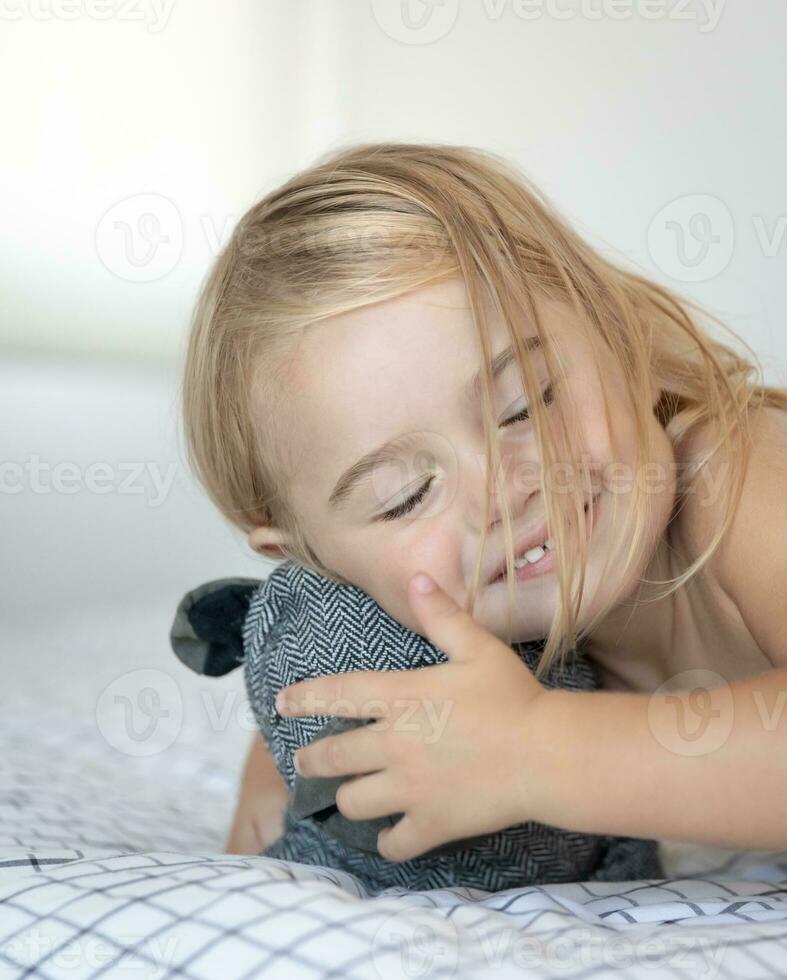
(401, 368)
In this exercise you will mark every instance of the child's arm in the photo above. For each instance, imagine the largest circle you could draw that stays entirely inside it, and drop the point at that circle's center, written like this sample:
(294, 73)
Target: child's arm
(259, 815)
(600, 762)
(708, 765)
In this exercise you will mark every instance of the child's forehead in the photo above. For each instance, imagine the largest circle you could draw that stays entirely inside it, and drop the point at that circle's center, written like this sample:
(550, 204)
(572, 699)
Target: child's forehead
(419, 336)
(425, 320)
(345, 393)
(349, 372)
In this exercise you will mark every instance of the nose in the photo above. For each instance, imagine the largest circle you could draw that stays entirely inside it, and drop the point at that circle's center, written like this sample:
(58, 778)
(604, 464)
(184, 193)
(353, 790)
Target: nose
(517, 480)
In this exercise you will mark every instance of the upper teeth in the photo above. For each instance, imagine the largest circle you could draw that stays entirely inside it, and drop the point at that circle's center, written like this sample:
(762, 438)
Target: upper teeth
(534, 554)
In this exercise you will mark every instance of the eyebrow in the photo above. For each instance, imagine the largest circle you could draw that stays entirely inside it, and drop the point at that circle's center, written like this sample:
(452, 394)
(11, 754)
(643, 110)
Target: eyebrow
(389, 451)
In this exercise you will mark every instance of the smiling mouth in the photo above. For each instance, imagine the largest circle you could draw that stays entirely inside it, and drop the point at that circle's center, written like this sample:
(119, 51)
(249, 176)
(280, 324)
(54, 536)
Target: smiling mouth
(539, 556)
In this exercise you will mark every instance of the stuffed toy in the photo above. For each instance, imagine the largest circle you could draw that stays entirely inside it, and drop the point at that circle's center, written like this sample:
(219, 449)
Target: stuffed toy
(297, 624)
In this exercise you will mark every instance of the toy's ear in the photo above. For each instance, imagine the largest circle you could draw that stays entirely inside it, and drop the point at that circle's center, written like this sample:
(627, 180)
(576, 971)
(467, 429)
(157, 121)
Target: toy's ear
(207, 632)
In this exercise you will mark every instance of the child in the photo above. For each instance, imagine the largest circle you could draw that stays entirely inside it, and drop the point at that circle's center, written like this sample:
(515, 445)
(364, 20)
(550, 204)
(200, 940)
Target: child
(333, 412)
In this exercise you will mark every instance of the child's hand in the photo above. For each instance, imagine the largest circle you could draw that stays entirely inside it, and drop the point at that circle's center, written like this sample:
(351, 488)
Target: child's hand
(259, 815)
(460, 748)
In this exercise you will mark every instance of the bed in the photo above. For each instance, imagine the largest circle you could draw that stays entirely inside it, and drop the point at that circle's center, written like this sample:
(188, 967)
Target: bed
(111, 864)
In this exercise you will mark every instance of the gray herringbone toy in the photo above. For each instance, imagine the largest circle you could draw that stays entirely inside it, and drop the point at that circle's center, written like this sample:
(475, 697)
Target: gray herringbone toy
(297, 624)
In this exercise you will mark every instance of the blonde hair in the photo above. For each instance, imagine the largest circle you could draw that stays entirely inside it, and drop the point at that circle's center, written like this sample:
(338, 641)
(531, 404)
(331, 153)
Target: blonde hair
(374, 221)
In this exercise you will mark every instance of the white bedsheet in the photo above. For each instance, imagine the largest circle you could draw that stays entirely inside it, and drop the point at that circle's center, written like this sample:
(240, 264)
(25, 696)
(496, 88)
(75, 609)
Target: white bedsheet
(111, 865)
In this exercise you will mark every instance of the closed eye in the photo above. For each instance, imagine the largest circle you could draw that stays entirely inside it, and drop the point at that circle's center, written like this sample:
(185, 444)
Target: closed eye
(524, 415)
(404, 508)
(401, 510)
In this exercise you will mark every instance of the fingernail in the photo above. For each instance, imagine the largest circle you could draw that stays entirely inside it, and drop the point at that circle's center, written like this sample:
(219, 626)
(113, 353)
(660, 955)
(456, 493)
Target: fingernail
(281, 703)
(423, 583)
(295, 763)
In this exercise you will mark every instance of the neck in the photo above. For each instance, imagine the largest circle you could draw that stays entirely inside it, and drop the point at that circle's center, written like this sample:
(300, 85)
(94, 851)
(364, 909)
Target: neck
(635, 642)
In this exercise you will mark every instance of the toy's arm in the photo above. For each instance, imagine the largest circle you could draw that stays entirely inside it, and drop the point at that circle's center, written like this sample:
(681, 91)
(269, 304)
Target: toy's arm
(259, 814)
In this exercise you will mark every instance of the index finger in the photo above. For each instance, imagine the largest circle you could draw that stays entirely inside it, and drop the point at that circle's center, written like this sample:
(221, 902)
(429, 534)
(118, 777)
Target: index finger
(352, 694)
(447, 624)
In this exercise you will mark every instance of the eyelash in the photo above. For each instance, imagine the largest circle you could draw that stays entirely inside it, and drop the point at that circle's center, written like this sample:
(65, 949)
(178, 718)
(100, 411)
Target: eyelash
(401, 510)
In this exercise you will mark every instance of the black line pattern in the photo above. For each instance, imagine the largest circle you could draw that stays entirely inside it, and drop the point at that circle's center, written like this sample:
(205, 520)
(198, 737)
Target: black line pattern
(101, 875)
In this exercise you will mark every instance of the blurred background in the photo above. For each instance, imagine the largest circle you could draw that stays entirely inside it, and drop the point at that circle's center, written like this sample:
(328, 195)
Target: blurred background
(135, 133)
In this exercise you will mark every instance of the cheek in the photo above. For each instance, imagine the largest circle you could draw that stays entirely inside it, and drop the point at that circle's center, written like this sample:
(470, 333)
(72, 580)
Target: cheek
(613, 443)
(603, 448)
(433, 548)
(429, 549)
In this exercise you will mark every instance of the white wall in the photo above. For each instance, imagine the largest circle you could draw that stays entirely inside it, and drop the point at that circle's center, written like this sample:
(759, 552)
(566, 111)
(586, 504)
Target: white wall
(167, 119)
(131, 146)
(189, 111)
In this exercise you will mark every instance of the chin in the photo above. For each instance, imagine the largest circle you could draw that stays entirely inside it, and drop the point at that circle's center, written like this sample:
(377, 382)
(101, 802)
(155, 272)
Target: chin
(535, 604)
(493, 616)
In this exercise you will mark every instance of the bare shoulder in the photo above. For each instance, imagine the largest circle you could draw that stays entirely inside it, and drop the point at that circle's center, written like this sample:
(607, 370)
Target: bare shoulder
(750, 563)
(701, 510)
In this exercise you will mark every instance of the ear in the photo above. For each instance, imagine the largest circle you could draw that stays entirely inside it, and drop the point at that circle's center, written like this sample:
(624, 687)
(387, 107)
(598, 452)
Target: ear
(268, 541)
